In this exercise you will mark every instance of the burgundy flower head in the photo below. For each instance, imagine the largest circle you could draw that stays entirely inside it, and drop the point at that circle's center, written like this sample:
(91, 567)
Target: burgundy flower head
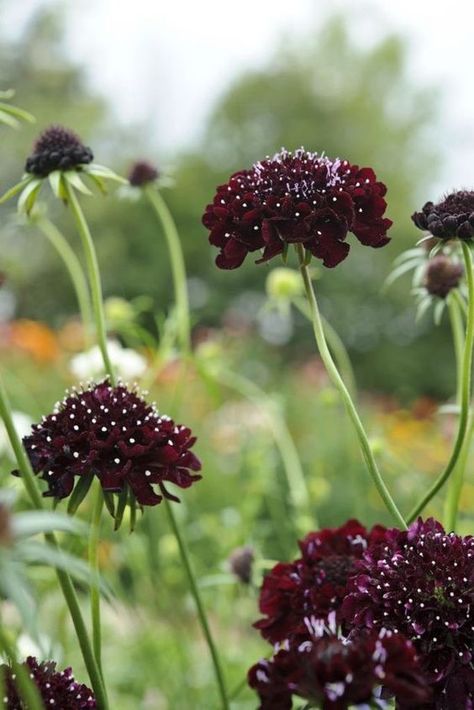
(57, 148)
(292, 198)
(314, 584)
(421, 584)
(57, 689)
(337, 673)
(142, 173)
(115, 434)
(442, 275)
(451, 217)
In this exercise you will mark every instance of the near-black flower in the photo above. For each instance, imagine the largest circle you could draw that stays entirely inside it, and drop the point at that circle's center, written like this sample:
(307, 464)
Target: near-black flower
(298, 197)
(142, 173)
(115, 434)
(451, 217)
(57, 689)
(57, 148)
(421, 584)
(442, 275)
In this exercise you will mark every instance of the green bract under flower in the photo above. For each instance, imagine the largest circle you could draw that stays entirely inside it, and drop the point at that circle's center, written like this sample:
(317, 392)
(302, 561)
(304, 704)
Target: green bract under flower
(12, 115)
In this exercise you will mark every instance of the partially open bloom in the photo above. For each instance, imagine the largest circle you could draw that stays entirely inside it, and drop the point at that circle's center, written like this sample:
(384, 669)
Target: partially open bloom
(421, 584)
(315, 584)
(57, 148)
(116, 435)
(142, 173)
(57, 689)
(452, 217)
(298, 197)
(442, 275)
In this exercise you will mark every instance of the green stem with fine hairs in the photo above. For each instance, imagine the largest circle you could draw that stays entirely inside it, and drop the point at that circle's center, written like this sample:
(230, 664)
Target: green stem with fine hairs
(465, 390)
(177, 265)
(64, 579)
(341, 387)
(27, 688)
(193, 585)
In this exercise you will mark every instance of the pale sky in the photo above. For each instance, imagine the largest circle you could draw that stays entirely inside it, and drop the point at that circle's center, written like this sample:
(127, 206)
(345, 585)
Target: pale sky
(170, 60)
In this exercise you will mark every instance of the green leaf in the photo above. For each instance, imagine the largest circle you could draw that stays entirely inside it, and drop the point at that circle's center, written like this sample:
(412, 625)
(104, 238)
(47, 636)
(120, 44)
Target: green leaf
(17, 112)
(422, 308)
(98, 182)
(438, 312)
(29, 195)
(109, 502)
(55, 180)
(79, 493)
(102, 171)
(8, 120)
(410, 253)
(74, 179)
(14, 587)
(16, 189)
(399, 271)
(35, 522)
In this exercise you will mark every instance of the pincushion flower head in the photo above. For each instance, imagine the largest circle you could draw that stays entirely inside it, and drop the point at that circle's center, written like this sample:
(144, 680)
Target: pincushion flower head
(60, 157)
(142, 173)
(57, 689)
(296, 198)
(315, 584)
(451, 218)
(114, 434)
(421, 583)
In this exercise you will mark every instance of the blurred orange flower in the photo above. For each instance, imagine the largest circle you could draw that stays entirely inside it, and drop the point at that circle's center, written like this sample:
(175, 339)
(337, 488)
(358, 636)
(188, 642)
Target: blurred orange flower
(36, 339)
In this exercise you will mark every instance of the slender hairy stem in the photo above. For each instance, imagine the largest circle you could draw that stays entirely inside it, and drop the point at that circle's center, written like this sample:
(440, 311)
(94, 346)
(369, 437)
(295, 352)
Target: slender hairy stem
(74, 268)
(65, 582)
(177, 265)
(94, 277)
(23, 682)
(465, 390)
(199, 606)
(339, 384)
(94, 538)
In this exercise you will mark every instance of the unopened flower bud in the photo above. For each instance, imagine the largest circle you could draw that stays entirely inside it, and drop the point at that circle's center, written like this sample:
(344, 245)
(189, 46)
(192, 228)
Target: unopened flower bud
(241, 562)
(442, 275)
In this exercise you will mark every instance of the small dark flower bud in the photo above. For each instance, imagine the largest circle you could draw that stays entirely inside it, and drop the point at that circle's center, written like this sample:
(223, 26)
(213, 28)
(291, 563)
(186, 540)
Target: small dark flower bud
(240, 562)
(442, 275)
(452, 217)
(141, 173)
(57, 148)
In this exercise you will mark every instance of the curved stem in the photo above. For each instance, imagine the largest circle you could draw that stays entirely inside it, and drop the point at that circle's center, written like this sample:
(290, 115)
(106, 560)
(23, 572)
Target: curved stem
(65, 582)
(465, 390)
(94, 537)
(199, 605)
(27, 688)
(339, 384)
(94, 277)
(74, 268)
(177, 265)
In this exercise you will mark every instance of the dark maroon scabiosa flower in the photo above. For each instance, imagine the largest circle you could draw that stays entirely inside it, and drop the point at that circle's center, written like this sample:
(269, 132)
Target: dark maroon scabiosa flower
(421, 583)
(115, 434)
(57, 148)
(442, 275)
(314, 584)
(298, 197)
(337, 673)
(450, 218)
(57, 689)
(142, 173)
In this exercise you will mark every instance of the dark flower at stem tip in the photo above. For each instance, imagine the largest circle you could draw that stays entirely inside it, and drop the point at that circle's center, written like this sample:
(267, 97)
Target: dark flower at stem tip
(442, 275)
(57, 689)
(142, 173)
(452, 217)
(57, 148)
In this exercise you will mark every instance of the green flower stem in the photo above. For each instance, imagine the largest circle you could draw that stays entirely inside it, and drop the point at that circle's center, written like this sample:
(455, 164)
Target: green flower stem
(65, 582)
(465, 390)
(199, 605)
(177, 265)
(27, 688)
(74, 268)
(341, 387)
(94, 538)
(94, 277)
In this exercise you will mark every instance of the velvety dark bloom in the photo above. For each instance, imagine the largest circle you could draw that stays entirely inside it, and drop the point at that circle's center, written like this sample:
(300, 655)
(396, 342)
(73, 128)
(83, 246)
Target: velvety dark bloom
(292, 198)
(337, 673)
(314, 584)
(115, 434)
(442, 275)
(57, 689)
(141, 173)
(240, 562)
(57, 148)
(421, 584)
(450, 218)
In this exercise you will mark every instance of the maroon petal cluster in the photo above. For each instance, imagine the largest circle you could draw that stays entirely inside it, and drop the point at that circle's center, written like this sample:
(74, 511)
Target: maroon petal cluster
(452, 217)
(57, 148)
(142, 173)
(442, 275)
(57, 689)
(314, 584)
(337, 673)
(296, 197)
(421, 584)
(115, 434)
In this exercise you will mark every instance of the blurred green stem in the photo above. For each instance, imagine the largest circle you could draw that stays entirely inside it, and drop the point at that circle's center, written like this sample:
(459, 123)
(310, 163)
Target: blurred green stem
(67, 587)
(199, 605)
(94, 538)
(74, 268)
(465, 390)
(177, 265)
(27, 688)
(341, 387)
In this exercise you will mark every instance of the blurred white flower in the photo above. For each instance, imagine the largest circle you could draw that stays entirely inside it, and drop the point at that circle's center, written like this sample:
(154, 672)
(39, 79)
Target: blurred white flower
(127, 362)
(22, 423)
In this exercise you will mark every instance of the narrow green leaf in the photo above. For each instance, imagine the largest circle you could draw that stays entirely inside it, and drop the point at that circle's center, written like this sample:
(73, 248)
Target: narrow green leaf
(55, 180)
(79, 493)
(102, 171)
(121, 504)
(36, 522)
(422, 308)
(16, 189)
(29, 195)
(98, 182)
(8, 120)
(399, 271)
(14, 587)
(17, 112)
(409, 254)
(74, 179)
(109, 502)
(438, 312)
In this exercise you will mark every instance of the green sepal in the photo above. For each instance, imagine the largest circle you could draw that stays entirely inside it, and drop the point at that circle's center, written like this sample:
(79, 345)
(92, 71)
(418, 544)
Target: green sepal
(28, 197)
(109, 502)
(16, 188)
(80, 491)
(132, 501)
(75, 181)
(121, 505)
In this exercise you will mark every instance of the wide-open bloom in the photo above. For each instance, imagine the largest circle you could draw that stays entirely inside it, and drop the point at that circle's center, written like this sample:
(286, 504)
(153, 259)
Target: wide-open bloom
(296, 197)
(452, 217)
(57, 689)
(115, 434)
(315, 584)
(421, 584)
